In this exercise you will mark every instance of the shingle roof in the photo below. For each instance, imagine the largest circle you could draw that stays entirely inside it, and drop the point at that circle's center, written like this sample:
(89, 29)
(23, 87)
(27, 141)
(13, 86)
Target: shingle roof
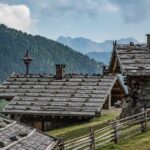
(16, 136)
(133, 59)
(44, 95)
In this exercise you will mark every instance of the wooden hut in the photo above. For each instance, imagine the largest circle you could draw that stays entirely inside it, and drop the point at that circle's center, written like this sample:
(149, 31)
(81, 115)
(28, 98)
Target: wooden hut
(42, 100)
(46, 101)
(17, 136)
(133, 62)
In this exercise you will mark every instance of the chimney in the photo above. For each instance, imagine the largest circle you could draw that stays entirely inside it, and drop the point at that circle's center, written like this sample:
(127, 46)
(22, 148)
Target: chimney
(148, 40)
(60, 71)
(114, 44)
(131, 43)
(27, 60)
(105, 70)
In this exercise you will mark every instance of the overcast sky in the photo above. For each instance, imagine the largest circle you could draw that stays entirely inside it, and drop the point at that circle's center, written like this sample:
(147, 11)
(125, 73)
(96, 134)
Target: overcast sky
(98, 20)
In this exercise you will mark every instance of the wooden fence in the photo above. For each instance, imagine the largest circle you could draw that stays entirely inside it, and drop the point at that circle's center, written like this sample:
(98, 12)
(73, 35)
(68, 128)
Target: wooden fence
(122, 128)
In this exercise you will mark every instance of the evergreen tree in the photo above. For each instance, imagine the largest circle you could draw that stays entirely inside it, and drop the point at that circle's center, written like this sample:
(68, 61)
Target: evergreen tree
(45, 53)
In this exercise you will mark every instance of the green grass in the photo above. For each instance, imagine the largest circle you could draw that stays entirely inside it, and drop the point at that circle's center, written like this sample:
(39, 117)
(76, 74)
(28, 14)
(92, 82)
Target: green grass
(80, 129)
(138, 142)
(3, 103)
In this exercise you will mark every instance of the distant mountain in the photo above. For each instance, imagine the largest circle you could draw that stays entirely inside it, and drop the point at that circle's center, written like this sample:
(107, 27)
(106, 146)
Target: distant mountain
(84, 45)
(100, 51)
(45, 53)
(79, 44)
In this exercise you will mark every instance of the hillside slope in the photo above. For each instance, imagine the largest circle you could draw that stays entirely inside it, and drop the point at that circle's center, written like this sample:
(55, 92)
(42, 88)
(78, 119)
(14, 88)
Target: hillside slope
(45, 54)
(138, 142)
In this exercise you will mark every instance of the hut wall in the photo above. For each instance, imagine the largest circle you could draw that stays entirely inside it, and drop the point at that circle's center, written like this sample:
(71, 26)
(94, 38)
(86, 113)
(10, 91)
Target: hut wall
(139, 89)
(46, 123)
(145, 93)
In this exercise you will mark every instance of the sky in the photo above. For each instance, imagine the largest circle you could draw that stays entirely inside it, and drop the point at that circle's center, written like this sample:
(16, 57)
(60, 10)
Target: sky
(97, 20)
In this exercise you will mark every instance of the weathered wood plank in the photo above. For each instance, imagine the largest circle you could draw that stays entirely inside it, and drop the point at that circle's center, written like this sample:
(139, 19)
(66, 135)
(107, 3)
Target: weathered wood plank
(62, 91)
(50, 113)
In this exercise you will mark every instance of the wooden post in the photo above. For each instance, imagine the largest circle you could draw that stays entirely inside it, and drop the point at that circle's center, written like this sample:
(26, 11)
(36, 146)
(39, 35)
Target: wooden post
(143, 120)
(61, 144)
(107, 104)
(92, 137)
(116, 132)
(109, 101)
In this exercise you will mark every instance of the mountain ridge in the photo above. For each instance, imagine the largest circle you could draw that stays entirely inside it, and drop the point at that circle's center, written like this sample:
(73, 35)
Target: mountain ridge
(45, 52)
(85, 45)
(99, 51)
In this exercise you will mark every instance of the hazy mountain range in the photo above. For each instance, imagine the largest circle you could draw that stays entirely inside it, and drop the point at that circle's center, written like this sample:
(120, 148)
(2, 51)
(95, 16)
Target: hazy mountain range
(100, 51)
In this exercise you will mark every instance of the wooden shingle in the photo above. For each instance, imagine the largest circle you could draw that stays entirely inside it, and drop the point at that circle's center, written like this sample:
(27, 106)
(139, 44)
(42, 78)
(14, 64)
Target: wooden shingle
(133, 60)
(14, 135)
(71, 96)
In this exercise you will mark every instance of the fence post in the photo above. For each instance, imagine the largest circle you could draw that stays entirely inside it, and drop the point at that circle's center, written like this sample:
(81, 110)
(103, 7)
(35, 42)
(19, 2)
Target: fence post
(116, 132)
(144, 121)
(92, 139)
(61, 144)
(145, 115)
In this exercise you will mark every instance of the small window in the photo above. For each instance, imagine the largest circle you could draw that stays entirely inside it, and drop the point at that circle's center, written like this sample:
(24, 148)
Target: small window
(47, 125)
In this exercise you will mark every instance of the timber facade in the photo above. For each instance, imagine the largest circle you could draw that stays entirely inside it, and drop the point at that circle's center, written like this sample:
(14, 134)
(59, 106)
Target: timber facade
(133, 62)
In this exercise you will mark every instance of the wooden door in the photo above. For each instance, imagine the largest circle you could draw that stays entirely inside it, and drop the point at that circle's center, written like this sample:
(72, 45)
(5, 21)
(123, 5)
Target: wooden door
(37, 125)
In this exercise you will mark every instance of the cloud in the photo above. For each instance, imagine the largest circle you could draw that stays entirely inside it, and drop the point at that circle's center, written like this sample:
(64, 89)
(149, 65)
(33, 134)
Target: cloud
(109, 7)
(133, 11)
(16, 16)
(77, 8)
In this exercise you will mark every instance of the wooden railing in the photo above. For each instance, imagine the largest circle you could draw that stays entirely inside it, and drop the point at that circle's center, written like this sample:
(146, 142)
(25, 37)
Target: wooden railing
(122, 128)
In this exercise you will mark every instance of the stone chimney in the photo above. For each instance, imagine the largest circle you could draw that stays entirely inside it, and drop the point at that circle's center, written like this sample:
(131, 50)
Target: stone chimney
(148, 40)
(131, 43)
(60, 71)
(105, 70)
